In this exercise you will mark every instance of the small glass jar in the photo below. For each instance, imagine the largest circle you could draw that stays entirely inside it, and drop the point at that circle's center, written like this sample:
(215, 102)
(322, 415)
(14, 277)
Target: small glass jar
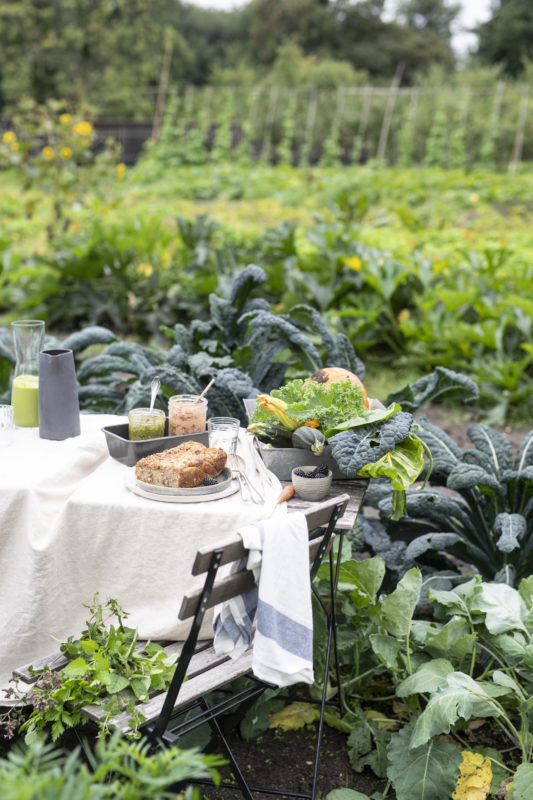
(224, 432)
(146, 424)
(186, 414)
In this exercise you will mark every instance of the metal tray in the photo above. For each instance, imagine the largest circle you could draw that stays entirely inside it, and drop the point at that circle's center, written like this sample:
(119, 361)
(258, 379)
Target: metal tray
(127, 452)
(282, 460)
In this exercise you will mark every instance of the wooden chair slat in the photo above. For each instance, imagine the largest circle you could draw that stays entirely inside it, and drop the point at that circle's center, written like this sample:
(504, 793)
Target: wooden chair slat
(192, 689)
(202, 661)
(228, 587)
(235, 584)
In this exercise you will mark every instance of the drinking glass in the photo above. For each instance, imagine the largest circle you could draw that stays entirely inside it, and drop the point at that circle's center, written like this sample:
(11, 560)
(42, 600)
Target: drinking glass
(6, 424)
(186, 414)
(28, 336)
(223, 432)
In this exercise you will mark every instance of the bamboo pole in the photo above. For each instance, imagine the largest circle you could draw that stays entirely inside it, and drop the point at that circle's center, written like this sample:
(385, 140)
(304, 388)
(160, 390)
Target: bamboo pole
(163, 84)
(520, 128)
(389, 110)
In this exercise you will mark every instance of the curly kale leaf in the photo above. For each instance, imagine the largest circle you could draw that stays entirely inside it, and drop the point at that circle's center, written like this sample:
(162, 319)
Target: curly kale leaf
(439, 384)
(308, 401)
(356, 447)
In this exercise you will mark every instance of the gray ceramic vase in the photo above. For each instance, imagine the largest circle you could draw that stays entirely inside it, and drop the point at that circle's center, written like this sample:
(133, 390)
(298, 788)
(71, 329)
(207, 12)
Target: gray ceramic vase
(59, 409)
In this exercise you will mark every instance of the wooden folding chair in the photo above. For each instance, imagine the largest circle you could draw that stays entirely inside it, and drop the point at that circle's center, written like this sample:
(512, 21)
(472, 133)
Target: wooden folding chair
(199, 671)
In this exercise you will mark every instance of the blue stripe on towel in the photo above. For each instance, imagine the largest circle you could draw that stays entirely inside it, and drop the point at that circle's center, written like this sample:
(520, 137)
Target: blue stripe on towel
(286, 632)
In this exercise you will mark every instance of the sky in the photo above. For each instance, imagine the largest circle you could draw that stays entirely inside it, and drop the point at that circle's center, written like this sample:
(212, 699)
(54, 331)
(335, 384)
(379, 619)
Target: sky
(474, 12)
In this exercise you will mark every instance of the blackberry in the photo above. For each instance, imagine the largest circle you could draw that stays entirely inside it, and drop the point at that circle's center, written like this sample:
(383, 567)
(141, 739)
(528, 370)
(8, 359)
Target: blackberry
(322, 469)
(209, 482)
(301, 473)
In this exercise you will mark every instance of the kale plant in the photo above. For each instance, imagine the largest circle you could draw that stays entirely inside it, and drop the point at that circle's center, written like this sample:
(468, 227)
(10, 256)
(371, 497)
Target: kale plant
(481, 519)
(243, 345)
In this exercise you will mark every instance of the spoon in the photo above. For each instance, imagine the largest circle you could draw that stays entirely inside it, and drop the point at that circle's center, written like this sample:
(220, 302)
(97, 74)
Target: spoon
(154, 388)
(211, 382)
(238, 465)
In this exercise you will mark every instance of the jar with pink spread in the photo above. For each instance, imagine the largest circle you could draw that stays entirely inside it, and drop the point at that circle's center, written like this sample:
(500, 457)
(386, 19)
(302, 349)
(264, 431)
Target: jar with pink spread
(186, 414)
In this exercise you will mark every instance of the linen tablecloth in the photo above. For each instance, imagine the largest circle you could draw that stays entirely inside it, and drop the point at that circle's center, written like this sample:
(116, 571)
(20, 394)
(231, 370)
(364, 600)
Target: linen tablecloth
(69, 528)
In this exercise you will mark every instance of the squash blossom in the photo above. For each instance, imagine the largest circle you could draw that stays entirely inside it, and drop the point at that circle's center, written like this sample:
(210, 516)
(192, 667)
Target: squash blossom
(279, 408)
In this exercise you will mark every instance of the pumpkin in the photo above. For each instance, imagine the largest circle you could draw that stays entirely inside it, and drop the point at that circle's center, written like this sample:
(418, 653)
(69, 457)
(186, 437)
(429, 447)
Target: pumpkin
(330, 375)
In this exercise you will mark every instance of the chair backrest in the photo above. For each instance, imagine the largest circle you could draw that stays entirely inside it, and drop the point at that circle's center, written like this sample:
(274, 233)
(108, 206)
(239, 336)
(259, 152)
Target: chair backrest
(208, 560)
(323, 515)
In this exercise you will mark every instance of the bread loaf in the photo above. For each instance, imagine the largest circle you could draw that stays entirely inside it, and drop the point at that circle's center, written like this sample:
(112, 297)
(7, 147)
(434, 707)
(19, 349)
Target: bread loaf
(181, 467)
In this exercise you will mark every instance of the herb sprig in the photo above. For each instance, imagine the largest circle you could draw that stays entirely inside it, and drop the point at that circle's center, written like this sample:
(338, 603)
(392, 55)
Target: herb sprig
(106, 667)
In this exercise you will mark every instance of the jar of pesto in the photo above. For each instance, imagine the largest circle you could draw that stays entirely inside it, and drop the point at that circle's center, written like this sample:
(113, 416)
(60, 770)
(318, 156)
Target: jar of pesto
(146, 424)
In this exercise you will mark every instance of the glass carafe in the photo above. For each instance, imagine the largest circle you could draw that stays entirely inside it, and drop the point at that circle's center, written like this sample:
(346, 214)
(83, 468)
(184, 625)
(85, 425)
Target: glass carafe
(28, 337)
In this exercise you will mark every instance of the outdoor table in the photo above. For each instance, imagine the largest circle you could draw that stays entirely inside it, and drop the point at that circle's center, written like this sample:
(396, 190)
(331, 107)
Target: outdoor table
(70, 528)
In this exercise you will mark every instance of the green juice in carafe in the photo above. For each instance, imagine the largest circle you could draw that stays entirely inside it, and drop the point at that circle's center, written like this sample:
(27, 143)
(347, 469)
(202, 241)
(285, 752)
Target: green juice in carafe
(25, 400)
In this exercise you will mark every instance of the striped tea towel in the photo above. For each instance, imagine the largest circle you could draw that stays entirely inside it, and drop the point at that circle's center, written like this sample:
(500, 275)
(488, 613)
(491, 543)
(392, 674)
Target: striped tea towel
(283, 640)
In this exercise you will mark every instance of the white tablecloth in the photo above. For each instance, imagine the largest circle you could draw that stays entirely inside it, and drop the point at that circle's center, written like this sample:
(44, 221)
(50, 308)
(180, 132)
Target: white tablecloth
(69, 528)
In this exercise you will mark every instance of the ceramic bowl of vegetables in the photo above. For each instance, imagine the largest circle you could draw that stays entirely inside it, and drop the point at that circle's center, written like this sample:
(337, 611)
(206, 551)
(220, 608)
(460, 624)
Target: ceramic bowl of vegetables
(312, 482)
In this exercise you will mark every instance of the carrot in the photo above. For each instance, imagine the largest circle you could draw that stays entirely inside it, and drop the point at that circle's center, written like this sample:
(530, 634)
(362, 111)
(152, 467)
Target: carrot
(286, 494)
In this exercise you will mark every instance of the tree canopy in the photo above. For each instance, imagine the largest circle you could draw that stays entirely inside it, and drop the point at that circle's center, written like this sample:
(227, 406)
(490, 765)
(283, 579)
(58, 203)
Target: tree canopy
(111, 54)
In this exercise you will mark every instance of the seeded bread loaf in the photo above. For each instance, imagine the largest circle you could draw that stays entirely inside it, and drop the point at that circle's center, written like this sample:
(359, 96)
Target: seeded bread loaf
(181, 467)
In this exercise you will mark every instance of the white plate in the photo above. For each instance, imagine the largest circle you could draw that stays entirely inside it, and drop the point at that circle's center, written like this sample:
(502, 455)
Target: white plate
(225, 488)
(222, 481)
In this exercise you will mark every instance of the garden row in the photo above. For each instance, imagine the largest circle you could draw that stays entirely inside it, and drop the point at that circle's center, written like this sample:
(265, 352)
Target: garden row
(417, 269)
(484, 124)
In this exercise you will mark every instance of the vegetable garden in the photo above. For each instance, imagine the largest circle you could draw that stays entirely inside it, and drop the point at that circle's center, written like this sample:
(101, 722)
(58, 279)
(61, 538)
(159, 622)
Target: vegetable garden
(419, 282)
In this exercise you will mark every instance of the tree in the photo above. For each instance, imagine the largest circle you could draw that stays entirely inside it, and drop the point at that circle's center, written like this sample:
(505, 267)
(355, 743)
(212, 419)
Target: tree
(429, 16)
(507, 37)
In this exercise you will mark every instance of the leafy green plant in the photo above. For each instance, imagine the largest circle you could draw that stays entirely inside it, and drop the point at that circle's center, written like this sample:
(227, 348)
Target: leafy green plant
(408, 680)
(481, 520)
(119, 770)
(50, 145)
(104, 668)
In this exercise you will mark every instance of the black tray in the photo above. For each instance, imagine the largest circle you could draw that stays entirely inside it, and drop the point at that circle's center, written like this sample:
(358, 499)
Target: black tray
(122, 449)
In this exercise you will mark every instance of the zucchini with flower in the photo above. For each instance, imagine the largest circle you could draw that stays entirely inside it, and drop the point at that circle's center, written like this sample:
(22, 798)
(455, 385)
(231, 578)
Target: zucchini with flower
(364, 442)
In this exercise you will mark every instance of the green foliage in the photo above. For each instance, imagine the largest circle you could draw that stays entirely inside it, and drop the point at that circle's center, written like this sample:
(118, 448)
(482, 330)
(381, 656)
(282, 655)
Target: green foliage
(120, 770)
(484, 516)
(105, 668)
(467, 658)
(55, 148)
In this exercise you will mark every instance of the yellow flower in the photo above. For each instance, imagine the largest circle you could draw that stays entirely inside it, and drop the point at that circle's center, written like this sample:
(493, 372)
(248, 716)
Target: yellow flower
(404, 315)
(48, 153)
(65, 153)
(64, 119)
(354, 262)
(121, 169)
(145, 269)
(82, 128)
(9, 136)
(14, 147)
(474, 198)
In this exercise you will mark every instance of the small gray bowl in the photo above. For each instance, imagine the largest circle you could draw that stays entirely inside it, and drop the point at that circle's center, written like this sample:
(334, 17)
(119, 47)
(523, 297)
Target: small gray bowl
(311, 488)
